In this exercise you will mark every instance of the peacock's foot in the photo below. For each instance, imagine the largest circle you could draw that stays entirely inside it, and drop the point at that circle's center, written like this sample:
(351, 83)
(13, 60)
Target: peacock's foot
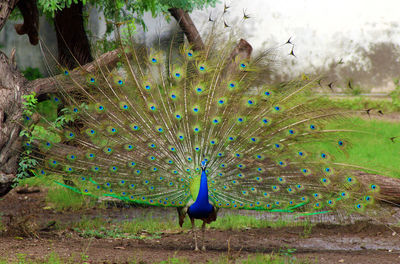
(203, 248)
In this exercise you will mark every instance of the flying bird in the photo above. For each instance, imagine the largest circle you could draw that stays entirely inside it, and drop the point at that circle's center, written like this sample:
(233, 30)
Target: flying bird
(292, 52)
(226, 8)
(245, 16)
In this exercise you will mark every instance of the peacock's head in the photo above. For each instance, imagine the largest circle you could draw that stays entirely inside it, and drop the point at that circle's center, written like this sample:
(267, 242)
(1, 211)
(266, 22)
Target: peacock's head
(204, 164)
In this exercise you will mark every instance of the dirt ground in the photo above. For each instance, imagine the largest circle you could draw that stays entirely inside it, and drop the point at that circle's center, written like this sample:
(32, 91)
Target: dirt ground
(360, 242)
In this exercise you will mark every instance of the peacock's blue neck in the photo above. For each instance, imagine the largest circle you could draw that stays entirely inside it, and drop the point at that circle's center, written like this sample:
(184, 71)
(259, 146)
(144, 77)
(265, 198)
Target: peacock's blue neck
(201, 207)
(202, 197)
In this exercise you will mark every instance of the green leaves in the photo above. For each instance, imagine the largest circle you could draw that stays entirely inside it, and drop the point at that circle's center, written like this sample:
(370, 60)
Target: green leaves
(29, 103)
(49, 7)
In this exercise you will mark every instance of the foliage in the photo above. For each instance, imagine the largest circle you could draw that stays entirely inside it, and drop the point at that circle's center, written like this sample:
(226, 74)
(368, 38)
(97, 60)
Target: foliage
(35, 116)
(29, 103)
(119, 8)
(26, 162)
(32, 73)
(126, 10)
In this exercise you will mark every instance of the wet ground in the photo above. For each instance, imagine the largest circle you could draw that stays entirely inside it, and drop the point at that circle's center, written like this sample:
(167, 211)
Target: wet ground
(358, 241)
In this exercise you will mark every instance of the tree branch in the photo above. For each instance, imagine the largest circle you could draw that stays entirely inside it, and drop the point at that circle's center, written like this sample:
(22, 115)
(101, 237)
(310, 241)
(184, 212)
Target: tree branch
(12, 88)
(188, 27)
(49, 85)
(30, 26)
(242, 51)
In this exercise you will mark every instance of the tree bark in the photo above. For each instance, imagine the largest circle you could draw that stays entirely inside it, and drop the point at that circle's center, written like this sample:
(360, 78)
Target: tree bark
(242, 51)
(49, 85)
(12, 86)
(30, 26)
(188, 27)
(6, 7)
(73, 44)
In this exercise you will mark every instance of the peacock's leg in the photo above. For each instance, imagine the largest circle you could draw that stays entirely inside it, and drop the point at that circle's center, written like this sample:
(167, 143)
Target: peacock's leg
(194, 235)
(203, 229)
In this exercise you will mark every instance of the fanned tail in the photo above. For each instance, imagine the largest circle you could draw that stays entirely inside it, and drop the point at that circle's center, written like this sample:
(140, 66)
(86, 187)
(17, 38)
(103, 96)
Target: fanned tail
(138, 130)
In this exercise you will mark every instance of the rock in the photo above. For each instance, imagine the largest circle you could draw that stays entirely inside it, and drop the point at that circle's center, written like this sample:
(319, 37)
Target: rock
(6, 181)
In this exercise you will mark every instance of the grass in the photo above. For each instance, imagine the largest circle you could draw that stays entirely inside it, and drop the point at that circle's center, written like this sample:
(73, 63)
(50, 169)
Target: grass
(371, 147)
(149, 227)
(59, 198)
(273, 258)
(141, 228)
(20, 258)
(237, 222)
(362, 103)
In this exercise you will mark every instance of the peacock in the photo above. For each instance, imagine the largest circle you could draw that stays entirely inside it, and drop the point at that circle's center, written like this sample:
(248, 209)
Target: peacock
(198, 130)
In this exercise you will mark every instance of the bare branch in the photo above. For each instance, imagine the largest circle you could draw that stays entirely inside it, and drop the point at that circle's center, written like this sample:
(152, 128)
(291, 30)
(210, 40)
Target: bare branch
(49, 85)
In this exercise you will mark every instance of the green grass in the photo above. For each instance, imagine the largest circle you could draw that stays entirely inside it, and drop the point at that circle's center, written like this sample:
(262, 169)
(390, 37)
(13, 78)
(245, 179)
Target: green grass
(371, 147)
(59, 197)
(149, 227)
(362, 103)
(273, 258)
(52, 258)
(141, 228)
(236, 222)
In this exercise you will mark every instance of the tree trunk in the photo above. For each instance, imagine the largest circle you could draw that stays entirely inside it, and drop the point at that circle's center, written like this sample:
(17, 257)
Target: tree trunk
(188, 27)
(30, 26)
(73, 44)
(12, 86)
(6, 7)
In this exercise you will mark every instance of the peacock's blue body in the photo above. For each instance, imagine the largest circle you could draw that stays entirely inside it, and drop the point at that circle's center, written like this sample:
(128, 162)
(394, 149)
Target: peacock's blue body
(201, 207)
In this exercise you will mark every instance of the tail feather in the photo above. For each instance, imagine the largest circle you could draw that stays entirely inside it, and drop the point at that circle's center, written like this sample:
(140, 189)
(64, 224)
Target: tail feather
(139, 131)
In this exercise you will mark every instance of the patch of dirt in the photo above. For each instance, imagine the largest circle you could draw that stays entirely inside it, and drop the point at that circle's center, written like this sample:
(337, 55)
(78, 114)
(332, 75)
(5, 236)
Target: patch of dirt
(360, 242)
